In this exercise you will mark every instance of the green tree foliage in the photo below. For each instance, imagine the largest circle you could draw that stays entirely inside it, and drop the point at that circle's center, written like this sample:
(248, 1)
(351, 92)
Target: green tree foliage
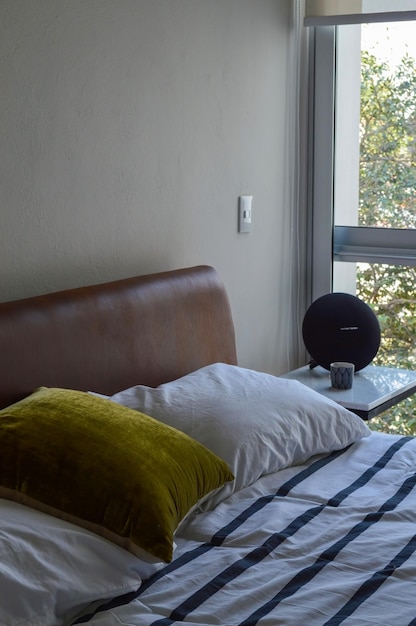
(388, 143)
(388, 199)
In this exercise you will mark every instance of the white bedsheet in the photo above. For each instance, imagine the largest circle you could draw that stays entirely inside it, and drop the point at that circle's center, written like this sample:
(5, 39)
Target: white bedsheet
(50, 570)
(329, 542)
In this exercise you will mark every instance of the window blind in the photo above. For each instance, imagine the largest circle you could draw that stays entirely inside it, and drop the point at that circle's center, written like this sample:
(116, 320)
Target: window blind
(334, 12)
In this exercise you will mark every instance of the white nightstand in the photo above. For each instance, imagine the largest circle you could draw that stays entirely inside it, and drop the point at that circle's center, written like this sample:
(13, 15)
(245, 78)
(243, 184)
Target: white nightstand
(375, 388)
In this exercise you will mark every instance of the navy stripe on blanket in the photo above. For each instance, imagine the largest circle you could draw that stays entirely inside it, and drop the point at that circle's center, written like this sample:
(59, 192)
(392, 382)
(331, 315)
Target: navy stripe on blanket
(259, 553)
(219, 536)
(273, 542)
(371, 585)
(306, 575)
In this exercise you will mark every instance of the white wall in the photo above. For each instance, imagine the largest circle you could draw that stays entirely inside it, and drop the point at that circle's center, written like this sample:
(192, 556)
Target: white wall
(128, 130)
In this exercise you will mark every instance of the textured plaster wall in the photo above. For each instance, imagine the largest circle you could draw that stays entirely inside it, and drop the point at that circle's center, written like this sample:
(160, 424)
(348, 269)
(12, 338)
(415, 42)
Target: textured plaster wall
(128, 130)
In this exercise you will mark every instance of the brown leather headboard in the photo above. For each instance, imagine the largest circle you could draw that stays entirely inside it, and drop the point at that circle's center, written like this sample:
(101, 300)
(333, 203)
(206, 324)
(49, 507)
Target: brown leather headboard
(144, 330)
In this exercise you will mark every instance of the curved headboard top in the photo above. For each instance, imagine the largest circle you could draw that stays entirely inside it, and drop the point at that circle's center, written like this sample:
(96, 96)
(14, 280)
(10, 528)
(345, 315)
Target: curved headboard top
(144, 330)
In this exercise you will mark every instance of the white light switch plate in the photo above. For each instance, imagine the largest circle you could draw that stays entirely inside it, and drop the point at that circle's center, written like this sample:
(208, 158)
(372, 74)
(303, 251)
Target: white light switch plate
(244, 214)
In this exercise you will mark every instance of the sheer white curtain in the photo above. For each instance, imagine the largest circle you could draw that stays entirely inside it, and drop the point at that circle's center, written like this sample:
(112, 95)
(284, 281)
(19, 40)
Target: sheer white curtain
(295, 193)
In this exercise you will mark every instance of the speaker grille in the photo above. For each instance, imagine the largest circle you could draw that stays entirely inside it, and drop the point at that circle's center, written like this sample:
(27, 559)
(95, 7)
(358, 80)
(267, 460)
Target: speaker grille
(341, 327)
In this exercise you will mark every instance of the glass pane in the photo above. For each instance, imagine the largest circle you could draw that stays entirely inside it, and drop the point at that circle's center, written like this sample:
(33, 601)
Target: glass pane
(375, 182)
(375, 163)
(388, 126)
(390, 290)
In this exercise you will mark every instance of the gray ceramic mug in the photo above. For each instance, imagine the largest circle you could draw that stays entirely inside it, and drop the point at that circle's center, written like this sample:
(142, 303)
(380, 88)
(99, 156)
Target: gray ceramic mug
(342, 374)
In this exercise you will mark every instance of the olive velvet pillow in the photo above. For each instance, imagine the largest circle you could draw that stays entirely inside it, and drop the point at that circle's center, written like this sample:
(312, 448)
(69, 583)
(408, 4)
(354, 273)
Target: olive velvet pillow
(105, 467)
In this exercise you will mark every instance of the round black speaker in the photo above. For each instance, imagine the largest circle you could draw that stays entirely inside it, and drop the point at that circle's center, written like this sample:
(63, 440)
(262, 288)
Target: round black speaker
(341, 327)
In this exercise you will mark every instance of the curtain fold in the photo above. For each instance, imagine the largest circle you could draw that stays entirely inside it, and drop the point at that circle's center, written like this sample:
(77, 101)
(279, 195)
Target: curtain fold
(295, 219)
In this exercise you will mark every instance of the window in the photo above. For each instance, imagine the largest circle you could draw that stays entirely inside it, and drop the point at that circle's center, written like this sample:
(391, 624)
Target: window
(363, 175)
(374, 177)
(364, 200)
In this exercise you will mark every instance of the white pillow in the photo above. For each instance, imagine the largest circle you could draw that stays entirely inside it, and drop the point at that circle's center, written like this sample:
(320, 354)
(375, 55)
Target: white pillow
(256, 422)
(50, 570)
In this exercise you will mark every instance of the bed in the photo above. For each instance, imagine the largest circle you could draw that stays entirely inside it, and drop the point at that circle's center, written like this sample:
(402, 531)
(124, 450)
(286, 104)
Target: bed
(147, 479)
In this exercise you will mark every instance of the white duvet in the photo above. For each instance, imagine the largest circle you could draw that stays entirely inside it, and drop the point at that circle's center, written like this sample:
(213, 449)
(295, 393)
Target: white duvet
(329, 542)
(50, 570)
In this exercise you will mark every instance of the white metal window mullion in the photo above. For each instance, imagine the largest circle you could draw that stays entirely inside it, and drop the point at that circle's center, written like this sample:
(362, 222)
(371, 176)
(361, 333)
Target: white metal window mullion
(321, 164)
(391, 246)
